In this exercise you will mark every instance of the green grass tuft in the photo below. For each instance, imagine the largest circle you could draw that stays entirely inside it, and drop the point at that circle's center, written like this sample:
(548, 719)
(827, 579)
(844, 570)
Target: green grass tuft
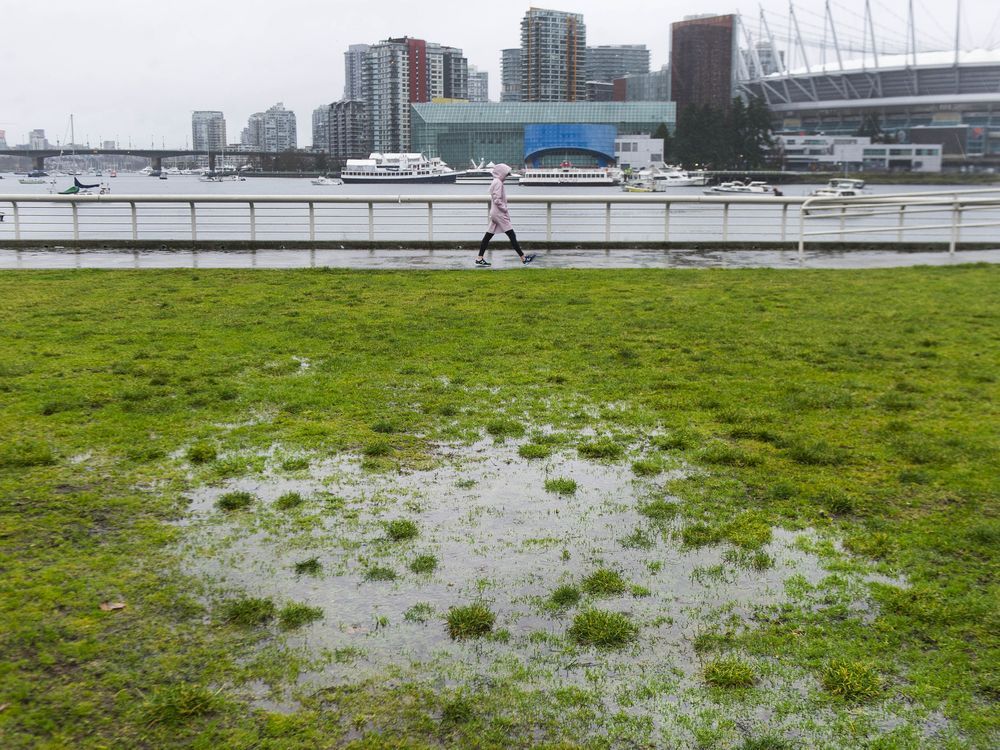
(420, 612)
(534, 450)
(729, 672)
(561, 486)
(505, 428)
(380, 573)
(605, 582)
(288, 501)
(603, 449)
(25, 453)
(725, 454)
(424, 564)
(596, 627)
(566, 595)
(854, 681)
(297, 463)
(295, 615)
(659, 510)
(401, 529)
(471, 621)
(248, 612)
(310, 567)
(234, 501)
(815, 452)
(648, 467)
(377, 449)
(179, 703)
(201, 452)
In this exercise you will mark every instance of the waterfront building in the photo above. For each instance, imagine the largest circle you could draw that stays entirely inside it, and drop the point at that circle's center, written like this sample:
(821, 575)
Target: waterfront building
(208, 131)
(857, 153)
(610, 61)
(354, 67)
(703, 54)
(37, 139)
(638, 151)
(321, 128)
(510, 75)
(543, 133)
(273, 130)
(553, 56)
(404, 71)
(479, 85)
(647, 87)
(3, 139)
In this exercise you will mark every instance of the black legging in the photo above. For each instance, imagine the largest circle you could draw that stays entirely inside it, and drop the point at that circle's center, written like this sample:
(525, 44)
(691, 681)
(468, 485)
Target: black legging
(510, 235)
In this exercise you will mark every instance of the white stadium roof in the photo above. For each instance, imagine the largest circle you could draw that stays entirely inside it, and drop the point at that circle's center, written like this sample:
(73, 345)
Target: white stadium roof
(940, 59)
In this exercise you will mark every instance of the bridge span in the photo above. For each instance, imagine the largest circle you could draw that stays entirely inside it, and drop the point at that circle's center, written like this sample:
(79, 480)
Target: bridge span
(155, 156)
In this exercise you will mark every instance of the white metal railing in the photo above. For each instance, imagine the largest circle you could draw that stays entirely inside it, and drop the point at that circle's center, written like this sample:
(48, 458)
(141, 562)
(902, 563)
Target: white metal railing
(653, 218)
(871, 215)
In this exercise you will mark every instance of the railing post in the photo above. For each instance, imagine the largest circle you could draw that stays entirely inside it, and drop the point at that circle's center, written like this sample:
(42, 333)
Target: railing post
(725, 221)
(371, 221)
(802, 228)
(956, 220)
(666, 221)
(312, 221)
(253, 222)
(76, 221)
(194, 222)
(784, 221)
(899, 231)
(135, 220)
(607, 222)
(17, 220)
(548, 221)
(430, 221)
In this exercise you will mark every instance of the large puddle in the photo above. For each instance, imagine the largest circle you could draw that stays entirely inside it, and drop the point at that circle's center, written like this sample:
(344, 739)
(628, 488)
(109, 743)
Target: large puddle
(499, 537)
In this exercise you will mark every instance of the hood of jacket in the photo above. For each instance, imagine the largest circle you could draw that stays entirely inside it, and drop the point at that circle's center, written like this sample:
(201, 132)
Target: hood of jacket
(500, 171)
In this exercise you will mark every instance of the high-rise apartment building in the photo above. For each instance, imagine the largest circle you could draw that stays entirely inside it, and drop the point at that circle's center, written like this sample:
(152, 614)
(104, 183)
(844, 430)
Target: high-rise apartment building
(647, 87)
(354, 67)
(401, 72)
(321, 128)
(350, 135)
(553, 56)
(37, 139)
(479, 85)
(273, 130)
(208, 131)
(703, 53)
(3, 139)
(610, 61)
(510, 75)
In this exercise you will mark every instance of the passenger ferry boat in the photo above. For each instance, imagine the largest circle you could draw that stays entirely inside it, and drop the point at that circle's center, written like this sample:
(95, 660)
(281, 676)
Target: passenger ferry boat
(567, 174)
(397, 168)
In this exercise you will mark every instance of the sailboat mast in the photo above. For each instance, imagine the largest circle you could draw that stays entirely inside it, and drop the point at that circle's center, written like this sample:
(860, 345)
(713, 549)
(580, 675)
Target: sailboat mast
(72, 135)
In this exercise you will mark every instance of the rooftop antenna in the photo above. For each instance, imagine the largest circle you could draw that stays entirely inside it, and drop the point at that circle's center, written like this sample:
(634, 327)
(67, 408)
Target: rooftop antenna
(958, 28)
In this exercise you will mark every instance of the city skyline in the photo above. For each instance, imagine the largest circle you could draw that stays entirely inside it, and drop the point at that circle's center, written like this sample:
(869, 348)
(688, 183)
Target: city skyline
(141, 77)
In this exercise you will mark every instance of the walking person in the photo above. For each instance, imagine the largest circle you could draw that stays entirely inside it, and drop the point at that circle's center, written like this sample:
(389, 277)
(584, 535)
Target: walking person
(500, 217)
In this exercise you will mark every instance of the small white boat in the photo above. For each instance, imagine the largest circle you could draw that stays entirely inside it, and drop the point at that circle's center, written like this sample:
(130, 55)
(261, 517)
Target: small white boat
(754, 187)
(327, 181)
(32, 181)
(390, 168)
(840, 184)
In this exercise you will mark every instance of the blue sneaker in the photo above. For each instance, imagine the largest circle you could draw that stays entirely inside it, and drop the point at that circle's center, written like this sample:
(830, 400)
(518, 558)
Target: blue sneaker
(527, 259)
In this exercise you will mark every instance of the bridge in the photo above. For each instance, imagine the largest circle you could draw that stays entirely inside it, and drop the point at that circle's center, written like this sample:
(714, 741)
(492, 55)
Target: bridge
(155, 156)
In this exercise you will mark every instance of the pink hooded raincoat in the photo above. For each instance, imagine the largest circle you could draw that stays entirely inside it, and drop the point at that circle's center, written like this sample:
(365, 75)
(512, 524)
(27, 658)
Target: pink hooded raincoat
(499, 215)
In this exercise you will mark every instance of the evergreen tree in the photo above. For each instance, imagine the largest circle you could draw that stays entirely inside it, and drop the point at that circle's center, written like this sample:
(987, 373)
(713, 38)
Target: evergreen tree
(663, 133)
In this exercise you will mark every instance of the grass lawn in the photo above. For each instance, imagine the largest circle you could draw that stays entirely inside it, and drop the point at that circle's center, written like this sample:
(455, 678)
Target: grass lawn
(859, 405)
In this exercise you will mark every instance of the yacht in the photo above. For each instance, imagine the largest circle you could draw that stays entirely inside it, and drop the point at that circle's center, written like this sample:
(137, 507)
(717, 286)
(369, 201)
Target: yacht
(836, 188)
(390, 168)
(754, 187)
(323, 180)
(482, 174)
(660, 178)
(568, 175)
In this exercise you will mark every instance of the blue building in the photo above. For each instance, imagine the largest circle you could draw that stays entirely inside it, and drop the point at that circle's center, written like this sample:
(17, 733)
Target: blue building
(541, 133)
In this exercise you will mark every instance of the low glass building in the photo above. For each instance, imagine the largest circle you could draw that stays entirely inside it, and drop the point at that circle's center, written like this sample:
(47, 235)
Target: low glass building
(495, 131)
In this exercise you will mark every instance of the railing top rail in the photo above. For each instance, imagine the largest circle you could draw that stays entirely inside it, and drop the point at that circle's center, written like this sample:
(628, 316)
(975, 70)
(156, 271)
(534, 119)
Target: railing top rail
(407, 198)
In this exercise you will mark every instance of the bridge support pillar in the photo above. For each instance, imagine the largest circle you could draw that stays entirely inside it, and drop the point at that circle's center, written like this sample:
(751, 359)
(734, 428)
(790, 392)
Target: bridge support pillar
(157, 162)
(211, 162)
(38, 162)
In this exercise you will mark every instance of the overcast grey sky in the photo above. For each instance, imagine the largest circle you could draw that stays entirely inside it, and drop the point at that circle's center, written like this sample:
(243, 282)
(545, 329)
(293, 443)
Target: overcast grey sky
(137, 68)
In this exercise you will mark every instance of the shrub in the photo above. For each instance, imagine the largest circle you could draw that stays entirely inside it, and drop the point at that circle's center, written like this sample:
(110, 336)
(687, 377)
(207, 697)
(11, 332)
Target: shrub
(401, 529)
(471, 621)
(729, 673)
(249, 612)
(296, 615)
(595, 627)
(201, 452)
(561, 486)
(605, 582)
(424, 564)
(853, 681)
(288, 501)
(234, 501)
(603, 448)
